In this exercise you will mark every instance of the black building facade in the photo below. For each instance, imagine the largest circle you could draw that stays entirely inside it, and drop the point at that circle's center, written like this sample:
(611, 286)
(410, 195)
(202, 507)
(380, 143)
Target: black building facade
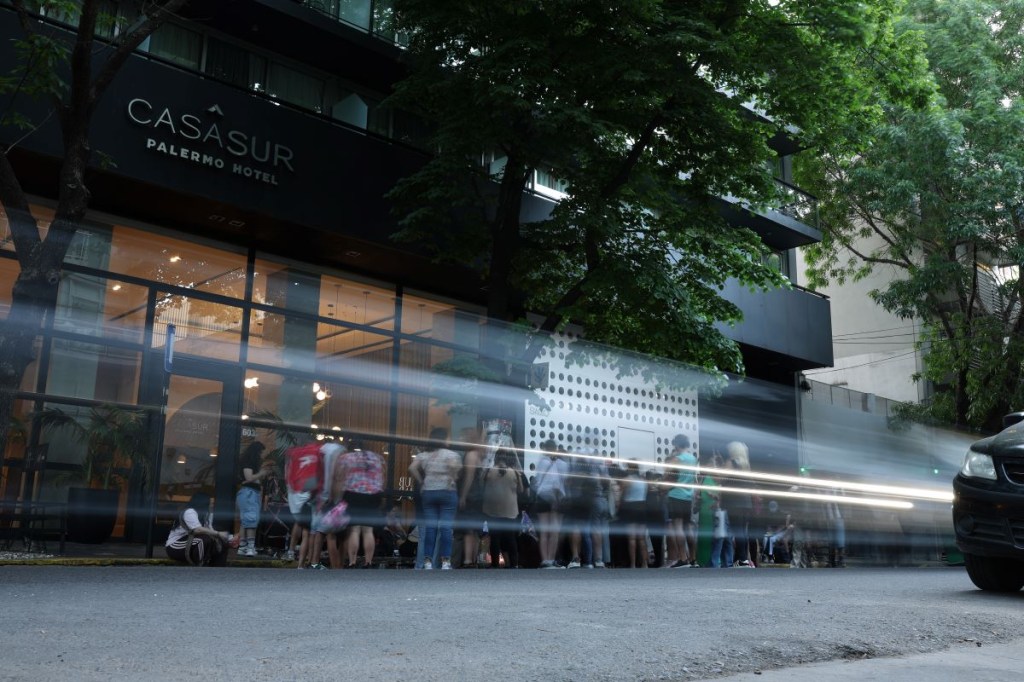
(244, 221)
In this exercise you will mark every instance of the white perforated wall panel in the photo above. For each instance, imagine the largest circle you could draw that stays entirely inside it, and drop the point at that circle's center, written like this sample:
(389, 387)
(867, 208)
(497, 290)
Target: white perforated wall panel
(621, 418)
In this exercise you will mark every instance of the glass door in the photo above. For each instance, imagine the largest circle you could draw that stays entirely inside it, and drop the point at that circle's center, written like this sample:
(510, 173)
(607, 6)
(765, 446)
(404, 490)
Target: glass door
(199, 440)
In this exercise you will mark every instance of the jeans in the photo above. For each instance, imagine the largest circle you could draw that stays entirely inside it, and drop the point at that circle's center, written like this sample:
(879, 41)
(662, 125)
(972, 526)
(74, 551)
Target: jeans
(438, 518)
(721, 552)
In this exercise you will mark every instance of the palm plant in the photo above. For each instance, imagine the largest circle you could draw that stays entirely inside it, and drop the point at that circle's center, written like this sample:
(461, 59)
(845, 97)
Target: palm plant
(111, 434)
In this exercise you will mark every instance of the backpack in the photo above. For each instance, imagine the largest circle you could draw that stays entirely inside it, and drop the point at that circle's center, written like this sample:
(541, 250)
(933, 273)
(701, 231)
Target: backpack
(304, 468)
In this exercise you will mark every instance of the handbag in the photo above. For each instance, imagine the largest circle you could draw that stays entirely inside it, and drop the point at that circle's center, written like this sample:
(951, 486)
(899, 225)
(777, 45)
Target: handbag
(335, 520)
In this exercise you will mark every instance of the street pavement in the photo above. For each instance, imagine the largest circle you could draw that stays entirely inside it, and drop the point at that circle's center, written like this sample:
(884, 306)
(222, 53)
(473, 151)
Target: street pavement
(179, 623)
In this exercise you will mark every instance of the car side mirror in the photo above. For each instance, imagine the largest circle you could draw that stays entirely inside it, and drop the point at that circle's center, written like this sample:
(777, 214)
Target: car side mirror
(1012, 418)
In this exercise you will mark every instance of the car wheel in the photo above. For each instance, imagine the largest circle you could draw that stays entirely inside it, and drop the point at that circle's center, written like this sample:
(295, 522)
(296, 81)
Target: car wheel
(995, 574)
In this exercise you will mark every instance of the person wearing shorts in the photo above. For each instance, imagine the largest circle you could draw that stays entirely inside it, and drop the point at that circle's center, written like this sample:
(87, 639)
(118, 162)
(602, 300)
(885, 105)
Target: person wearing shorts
(249, 497)
(301, 511)
(680, 501)
(361, 476)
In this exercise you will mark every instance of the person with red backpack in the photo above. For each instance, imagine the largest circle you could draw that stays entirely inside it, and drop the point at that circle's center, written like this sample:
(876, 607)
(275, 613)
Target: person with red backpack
(304, 479)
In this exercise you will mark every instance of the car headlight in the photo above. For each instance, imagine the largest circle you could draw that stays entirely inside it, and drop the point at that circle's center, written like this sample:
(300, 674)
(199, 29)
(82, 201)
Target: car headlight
(977, 465)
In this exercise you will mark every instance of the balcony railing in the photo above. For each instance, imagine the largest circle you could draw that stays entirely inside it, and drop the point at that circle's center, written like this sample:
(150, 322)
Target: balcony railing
(375, 17)
(798, 204)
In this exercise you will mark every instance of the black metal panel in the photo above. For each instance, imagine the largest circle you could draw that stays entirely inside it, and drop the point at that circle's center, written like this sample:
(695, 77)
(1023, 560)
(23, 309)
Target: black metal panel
(794, 325)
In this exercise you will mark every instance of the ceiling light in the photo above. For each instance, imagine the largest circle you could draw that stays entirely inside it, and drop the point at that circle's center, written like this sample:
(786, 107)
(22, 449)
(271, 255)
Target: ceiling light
(116, 287)
(321, 395)
(252, 382)
(175, 259)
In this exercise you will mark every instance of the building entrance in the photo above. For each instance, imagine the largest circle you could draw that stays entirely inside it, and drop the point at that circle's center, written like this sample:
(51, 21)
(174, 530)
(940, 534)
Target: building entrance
(199, 440)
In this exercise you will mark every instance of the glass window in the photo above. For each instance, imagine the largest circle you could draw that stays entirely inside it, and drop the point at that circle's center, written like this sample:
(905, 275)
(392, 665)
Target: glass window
(411, 129)
(384, 22)
(417, 361)
(333, 407)
(309, 346)
(101, 307)
(351, 108)
(176, 44)
(296, 87)
(42, 215)
(235, 65)
(378, 117)
(355, 12)
(282, 341)
(301, 287)
(12, 469)
(190, 264)
(432, 319)
(93, 372)
(9, 270)
(202, 328)
(353, 354)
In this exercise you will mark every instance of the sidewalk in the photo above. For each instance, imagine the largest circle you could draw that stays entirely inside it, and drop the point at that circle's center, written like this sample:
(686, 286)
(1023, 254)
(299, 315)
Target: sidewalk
(114, 554)
(989, 663)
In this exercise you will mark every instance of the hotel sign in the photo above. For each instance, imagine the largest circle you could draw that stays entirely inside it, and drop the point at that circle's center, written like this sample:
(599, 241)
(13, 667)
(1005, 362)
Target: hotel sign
(206, 140)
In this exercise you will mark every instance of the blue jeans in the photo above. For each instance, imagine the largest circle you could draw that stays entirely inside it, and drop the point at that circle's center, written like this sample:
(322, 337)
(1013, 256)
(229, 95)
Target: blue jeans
(439, 517)
(721, 552)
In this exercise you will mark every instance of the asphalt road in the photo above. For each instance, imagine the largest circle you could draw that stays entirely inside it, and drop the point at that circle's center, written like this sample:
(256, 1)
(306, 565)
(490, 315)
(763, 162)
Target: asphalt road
(168, 623)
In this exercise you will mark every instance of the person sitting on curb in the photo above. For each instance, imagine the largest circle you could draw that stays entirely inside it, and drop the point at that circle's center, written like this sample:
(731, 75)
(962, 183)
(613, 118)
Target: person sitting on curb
(193, 540)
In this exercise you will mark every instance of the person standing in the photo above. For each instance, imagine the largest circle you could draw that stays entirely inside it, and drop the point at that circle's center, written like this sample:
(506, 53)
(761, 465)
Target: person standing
(740, 505)
(437, 472)
(328, 498)
(633, 514)
(550, 490)
(362, 482)
(656, 516)
(470, 514)
(251, 474)
(502, 485)
(680, 502)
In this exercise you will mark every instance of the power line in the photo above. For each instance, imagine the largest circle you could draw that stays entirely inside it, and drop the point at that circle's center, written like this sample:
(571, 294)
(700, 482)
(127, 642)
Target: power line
(872, 331)
(872, 362)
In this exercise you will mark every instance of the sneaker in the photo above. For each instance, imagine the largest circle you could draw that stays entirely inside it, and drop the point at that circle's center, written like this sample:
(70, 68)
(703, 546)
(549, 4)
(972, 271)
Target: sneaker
(428, 565)
(550, 564)
(446, 565)
(746, 563)
(590, 566)
(289, 555)
(692, 564)
(247, 551)
(575, 563)
(598, 564)
(679, 564)
(317, 567)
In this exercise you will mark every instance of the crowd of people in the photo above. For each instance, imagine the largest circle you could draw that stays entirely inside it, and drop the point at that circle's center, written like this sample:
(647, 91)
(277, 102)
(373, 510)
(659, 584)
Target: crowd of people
(480, 508)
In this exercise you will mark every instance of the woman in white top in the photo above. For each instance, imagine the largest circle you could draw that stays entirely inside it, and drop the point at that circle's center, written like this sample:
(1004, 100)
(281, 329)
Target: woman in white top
(550, 487)
(633, 513)
(436, 472)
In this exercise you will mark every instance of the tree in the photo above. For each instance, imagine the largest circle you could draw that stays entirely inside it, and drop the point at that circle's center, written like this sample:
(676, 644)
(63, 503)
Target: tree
(638, 108)
(938, 198)
(69, 70)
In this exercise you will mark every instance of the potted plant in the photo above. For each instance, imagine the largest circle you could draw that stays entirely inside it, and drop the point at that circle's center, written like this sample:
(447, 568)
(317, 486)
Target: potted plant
(116, 445)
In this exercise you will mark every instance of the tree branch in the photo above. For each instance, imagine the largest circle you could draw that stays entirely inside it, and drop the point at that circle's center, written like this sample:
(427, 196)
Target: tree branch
(159, 13)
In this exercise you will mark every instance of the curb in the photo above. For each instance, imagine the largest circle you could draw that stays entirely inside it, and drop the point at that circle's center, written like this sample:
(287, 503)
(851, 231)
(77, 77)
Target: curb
(128, 561)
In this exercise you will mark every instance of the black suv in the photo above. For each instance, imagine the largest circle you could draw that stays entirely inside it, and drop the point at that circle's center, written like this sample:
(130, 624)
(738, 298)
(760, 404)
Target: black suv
(988, 508)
